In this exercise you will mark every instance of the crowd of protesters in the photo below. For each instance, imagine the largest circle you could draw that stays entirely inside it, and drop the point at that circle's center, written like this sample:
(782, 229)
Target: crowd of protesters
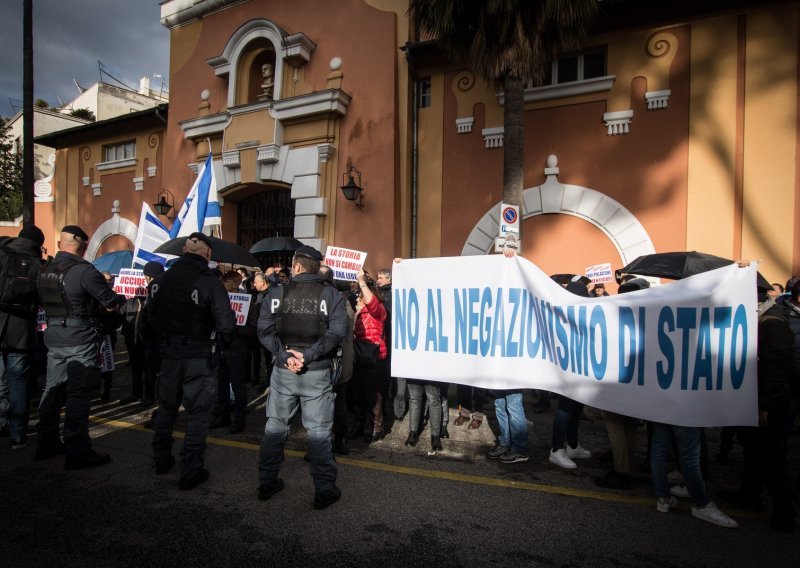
(184, 348)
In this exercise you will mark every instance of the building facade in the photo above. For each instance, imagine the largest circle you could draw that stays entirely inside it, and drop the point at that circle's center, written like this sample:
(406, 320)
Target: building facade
(671, 130)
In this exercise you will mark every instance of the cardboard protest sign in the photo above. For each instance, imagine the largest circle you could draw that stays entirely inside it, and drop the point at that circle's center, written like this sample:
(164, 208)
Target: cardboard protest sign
(240, 304)
(600, 273)
(130, 282)
(345, 263)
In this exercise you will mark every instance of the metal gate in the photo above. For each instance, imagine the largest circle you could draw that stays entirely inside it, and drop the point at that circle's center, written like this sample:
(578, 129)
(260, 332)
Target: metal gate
(269, 213)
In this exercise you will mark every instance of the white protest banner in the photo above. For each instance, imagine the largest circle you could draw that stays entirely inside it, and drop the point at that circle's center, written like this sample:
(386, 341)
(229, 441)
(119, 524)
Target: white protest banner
(345, 263)
(599, 273)
(683, 353)
(130, 282)
(106, 355)
(240, 304)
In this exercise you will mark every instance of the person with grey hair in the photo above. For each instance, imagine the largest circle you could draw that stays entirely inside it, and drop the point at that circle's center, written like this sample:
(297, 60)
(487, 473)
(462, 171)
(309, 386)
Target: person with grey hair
(260, 287)
(74, 296)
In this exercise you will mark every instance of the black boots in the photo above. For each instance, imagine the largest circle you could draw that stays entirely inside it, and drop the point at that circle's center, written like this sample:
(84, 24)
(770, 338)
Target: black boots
(412, 439)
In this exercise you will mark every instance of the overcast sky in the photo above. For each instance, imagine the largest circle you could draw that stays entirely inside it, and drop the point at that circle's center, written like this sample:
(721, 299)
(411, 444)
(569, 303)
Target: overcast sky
(70, 36)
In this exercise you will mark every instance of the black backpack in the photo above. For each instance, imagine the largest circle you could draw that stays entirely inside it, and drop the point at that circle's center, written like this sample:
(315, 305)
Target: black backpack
(18, 273)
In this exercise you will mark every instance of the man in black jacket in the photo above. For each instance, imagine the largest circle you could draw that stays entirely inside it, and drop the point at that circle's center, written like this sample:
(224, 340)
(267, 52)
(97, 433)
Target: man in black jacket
(234, 365)
(74, 296)
(18, 332)
(189, 307)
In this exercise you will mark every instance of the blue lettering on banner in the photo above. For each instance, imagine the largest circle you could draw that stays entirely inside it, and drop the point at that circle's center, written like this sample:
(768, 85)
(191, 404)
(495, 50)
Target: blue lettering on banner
(739, 328)
(665, 369)
(598, 323)
(697, 348)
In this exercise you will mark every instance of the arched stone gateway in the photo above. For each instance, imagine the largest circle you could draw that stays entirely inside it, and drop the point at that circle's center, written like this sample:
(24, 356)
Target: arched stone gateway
(621, 226)
(116, 225)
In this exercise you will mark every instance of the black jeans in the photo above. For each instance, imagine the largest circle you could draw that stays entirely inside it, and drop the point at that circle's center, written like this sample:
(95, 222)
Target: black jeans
(233, 374)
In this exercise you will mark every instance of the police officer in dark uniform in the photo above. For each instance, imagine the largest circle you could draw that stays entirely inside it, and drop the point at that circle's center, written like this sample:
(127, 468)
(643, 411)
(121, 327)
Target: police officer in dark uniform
(302, 323)
(74, 295)
(189, 307)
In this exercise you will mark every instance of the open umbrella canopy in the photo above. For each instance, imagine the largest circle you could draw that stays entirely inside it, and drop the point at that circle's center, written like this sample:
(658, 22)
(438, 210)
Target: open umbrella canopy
(112, 262)
(566, 278)
(678, 265)
(275, 244)
(221, 251)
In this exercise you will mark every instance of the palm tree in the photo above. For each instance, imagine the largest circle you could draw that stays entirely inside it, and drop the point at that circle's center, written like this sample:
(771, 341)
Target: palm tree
(508, 43)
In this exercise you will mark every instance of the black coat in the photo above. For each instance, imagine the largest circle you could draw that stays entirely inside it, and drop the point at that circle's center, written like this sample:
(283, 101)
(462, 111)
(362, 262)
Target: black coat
(18, 331)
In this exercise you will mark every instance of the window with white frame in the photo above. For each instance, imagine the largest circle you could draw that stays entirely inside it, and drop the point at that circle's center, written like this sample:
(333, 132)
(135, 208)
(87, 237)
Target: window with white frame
(578, 67)
(425, 94)
(121, 151)
(574, 74)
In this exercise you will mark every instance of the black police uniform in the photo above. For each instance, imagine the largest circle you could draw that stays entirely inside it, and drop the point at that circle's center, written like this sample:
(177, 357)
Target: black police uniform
(189, 306)
(308, 317)
(73, 294)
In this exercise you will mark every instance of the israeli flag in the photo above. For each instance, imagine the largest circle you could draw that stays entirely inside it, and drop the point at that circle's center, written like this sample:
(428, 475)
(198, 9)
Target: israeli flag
(152, 234)
(201, 207)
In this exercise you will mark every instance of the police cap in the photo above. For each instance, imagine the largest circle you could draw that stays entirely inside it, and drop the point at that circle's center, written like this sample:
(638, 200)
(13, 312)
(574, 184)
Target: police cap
(153, 269)
(76, 231)
(310, 252)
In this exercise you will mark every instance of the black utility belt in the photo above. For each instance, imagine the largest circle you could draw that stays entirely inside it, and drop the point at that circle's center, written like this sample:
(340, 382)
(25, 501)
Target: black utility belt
(187, 339)
(71, 322)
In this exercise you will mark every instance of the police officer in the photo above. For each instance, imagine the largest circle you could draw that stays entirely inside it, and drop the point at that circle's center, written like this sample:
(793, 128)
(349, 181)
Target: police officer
(302, 323)
(189, 307)
(74, 295)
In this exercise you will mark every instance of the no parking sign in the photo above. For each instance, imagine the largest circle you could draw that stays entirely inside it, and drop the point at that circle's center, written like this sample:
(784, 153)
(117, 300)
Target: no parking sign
(509, 225)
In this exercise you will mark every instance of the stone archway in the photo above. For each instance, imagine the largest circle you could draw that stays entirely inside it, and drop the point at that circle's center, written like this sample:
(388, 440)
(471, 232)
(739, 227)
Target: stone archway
(621, 226)
(115, 226)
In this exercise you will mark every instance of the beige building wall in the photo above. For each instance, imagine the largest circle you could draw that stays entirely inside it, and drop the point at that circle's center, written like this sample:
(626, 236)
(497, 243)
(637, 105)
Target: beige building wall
(712, 136)
(770, 138)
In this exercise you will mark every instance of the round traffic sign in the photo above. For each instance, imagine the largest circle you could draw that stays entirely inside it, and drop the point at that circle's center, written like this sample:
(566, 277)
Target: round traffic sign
(510, 215)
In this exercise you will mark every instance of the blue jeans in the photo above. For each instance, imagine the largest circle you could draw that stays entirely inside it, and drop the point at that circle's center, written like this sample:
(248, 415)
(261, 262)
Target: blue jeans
(510, 416)
(688, 441)
(14, 393)
(312, 393)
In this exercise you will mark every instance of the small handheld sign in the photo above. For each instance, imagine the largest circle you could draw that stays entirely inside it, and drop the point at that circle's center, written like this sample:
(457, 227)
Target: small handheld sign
(240, 304)
(345, 263)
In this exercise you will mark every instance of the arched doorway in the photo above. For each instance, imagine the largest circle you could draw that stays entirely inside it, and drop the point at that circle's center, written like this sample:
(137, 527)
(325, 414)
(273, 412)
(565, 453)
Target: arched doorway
(267, 213)
(551, 201)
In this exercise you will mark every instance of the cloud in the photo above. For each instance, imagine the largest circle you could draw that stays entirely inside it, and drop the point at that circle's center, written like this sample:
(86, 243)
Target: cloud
(69, 37)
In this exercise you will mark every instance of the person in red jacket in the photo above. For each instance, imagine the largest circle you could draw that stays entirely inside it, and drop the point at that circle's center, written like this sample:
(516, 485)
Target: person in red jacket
(369, 324)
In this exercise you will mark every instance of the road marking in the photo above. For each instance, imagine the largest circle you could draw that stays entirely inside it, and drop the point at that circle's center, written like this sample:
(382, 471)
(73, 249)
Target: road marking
(419, 472)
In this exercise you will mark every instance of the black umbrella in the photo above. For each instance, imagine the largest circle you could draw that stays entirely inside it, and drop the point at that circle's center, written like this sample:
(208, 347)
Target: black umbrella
(677, 265)
(566, 278)
(221, 251)
(275, 245)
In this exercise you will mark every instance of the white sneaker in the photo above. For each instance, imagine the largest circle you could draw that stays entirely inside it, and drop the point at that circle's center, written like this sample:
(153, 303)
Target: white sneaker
(560, 458)
(675, 477)
(712, 514)
(579, 453)
(679, 491)
(664, 504)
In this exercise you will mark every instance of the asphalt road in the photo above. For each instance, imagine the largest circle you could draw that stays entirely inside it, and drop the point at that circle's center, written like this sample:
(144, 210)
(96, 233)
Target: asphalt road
(400, 507)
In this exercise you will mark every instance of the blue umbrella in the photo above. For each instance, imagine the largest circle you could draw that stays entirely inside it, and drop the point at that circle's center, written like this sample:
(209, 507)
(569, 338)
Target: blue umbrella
(112, 262)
